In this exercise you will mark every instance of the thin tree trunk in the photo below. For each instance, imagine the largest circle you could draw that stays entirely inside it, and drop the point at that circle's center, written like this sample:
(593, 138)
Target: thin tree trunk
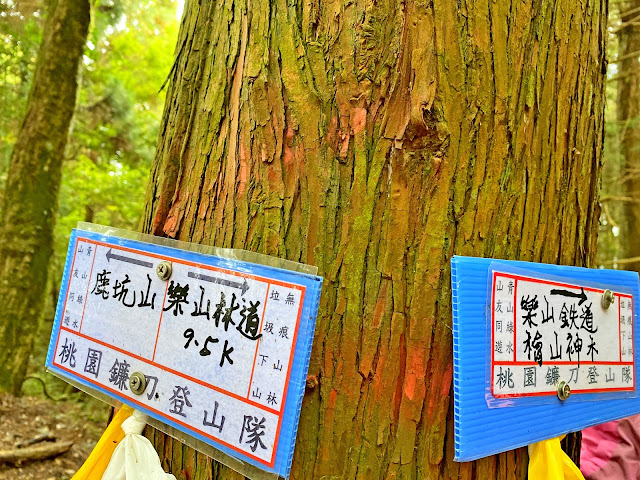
(31, 196)
(628, 112)
(375, 140)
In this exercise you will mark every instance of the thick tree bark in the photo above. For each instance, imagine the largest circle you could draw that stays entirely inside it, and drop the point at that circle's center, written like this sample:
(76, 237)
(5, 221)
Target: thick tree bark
(31, 196)
(628, 113)
(376, 140)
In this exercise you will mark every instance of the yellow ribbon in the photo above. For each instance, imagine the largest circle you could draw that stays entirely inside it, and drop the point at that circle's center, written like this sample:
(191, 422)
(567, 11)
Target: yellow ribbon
(547, 461)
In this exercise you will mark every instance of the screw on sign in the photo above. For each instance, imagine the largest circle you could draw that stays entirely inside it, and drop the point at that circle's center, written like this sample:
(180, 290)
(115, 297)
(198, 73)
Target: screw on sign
(607, 299)
(137, 383)
(164, 271)
(564, 390)
(203, 338)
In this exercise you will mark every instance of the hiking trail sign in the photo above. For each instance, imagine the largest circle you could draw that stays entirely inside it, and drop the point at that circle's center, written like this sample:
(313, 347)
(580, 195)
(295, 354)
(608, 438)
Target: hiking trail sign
(215, 348)
(539, 351)
(544, 331)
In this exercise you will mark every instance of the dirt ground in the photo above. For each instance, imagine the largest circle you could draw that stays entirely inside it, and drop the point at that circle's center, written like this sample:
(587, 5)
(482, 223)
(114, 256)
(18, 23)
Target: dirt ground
(21, 419)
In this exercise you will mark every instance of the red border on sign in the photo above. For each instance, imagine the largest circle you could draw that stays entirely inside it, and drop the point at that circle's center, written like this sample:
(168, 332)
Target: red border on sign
(170, 370)
(269, 282)
(93, 260)
(515, 277)
(189, 427)
(620, 330)
(515, 319)
(582, 362)
(543, 394)
(255, 355)
(493, 329)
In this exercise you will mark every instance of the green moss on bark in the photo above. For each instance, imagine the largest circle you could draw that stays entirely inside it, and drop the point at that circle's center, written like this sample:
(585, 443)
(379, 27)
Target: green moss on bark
(376, 140)
(31, 196)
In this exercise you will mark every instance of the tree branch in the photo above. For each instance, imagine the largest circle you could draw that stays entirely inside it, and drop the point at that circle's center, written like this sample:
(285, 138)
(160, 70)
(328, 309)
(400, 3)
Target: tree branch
(625, 24)
(40, 452)
(621, 261)
(624, 57)
(616, 198)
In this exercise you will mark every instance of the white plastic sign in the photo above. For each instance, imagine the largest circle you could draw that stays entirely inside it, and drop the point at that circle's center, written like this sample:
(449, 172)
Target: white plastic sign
(216, 340)
(543, 332)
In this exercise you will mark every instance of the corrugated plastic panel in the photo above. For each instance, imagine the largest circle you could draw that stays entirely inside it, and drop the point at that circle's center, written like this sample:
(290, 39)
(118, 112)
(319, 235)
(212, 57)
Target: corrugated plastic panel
(481, 431)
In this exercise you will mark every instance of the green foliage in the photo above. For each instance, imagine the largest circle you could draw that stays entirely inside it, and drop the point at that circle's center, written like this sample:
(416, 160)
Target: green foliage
(127, 57)
(20, 36)
(612, 218)
(116, 122)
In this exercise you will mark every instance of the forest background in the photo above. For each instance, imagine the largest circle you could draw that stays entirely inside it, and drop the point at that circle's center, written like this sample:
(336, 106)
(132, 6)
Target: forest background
(126, 60)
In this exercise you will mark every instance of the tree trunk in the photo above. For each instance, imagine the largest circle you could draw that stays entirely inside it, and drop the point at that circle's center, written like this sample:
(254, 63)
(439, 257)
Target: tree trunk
(628, 113)
(375, 140)
(31, 195)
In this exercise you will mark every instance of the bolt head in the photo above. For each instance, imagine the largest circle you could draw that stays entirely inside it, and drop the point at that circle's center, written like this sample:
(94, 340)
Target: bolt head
(163, 270)
(137, 383)
(564, 390)
(607, 299)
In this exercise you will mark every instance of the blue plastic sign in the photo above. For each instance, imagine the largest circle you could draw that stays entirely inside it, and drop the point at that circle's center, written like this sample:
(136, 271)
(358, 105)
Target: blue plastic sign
(223, 345)
(521, 330)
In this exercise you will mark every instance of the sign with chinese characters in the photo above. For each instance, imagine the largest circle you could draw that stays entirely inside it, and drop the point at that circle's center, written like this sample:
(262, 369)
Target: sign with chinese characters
(546, 331)
(222, 344)
(539, 351)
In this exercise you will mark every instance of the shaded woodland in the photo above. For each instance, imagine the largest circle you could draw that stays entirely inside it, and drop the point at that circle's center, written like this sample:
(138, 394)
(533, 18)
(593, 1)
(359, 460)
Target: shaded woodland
(374, 140)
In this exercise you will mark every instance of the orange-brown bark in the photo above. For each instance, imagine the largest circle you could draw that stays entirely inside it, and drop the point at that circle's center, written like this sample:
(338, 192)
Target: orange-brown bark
(376, 140)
